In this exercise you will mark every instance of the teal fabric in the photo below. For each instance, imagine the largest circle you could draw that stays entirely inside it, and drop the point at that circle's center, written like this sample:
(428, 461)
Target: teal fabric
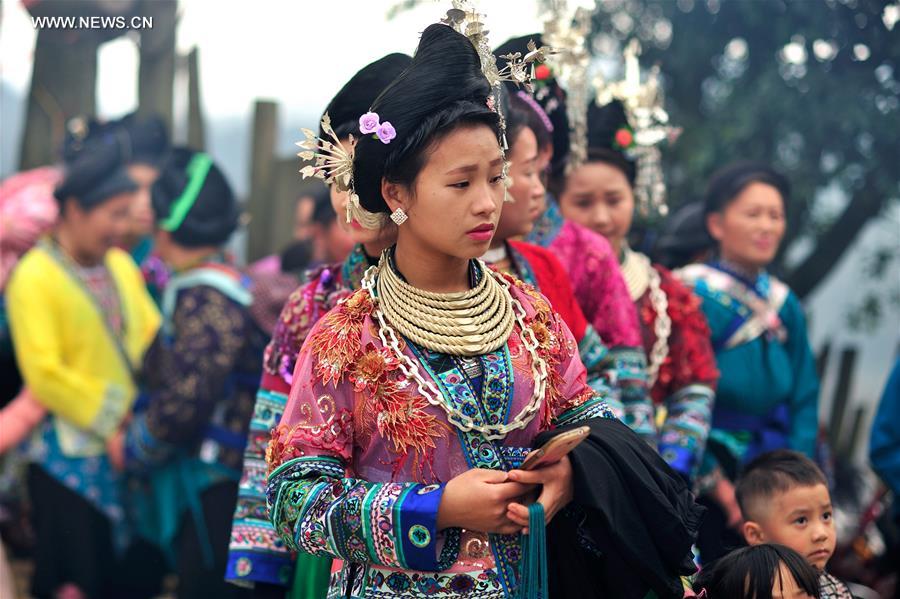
(759, 375)
(141, 251)
(161, 497)
(533, 581)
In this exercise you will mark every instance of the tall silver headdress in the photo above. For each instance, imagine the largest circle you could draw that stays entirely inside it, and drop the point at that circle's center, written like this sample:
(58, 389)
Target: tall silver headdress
(649, 123)
(569, 31)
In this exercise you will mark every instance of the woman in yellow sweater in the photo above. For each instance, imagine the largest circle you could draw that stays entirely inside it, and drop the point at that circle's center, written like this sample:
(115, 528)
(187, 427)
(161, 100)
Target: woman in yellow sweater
(81, 319)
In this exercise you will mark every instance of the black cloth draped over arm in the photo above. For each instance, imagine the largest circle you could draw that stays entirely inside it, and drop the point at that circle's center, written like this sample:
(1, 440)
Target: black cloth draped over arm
(631, 523)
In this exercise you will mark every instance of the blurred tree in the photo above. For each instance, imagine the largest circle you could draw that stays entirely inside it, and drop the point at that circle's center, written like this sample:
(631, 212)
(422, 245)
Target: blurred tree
(64, 76)
(811, 87)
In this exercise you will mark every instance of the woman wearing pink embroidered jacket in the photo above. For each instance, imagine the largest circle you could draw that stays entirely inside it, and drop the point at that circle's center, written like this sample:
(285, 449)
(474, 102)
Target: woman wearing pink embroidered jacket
(414, 401)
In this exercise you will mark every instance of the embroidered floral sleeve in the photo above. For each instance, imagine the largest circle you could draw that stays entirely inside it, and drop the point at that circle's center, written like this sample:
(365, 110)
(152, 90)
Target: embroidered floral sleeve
(256, 552)
(313, 504)
(687, 380)
(186, 374)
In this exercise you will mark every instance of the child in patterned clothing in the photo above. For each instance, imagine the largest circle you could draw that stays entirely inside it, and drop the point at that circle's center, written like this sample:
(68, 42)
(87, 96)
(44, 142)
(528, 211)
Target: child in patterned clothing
(784, 499)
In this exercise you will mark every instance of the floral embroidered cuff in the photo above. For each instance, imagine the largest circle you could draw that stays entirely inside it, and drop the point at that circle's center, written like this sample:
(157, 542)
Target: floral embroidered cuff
(417, 526)
(250, 566)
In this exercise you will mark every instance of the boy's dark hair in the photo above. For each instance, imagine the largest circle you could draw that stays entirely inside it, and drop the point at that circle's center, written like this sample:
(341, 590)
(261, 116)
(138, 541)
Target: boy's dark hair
(750, 573)
(775, 472)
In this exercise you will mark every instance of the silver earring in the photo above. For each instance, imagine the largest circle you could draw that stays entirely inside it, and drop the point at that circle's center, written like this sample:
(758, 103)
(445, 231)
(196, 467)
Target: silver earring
(399, 216)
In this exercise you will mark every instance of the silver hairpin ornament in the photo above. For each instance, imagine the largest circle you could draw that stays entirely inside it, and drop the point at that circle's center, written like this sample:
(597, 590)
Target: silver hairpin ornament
(334, 165)
(519, 69)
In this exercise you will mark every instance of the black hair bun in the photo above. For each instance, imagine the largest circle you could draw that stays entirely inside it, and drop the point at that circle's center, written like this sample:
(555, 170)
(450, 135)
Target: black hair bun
(215, 213)
(360, 91)
(139, 139)
(729, 181)
(603, 124)
(442, 87)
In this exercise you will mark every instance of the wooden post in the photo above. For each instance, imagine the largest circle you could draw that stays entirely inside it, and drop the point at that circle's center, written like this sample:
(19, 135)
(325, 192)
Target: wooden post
(822, 360)
(852, 438)
(262, 163)
(156, 80)
(63, 84)
(196, 132)
(841, 395)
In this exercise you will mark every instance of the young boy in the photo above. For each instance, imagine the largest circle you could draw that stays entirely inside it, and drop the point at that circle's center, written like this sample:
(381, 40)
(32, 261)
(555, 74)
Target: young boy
(784, 499)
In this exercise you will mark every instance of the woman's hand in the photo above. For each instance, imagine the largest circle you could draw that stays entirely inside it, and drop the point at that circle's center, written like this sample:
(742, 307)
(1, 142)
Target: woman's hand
(477, 499)
(115, 447)
(555, 494)
(723, 494)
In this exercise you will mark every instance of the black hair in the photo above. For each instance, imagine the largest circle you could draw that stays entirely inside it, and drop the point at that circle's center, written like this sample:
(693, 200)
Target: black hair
(683, 237)
(603, 124)
(550, 96)
(360, 91)
(729, 181)
(443, 89)
(215, 213)
(323, 212)
(775, 472)
(141, 139)
(295, 258)
(94, 177)
(751, 572)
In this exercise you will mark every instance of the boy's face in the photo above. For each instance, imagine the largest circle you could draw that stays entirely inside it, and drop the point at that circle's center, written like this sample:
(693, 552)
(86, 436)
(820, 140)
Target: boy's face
(799, 518)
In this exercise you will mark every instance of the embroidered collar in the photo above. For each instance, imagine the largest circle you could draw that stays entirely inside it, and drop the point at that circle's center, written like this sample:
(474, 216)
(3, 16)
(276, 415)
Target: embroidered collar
(758, 282)
(547, 225)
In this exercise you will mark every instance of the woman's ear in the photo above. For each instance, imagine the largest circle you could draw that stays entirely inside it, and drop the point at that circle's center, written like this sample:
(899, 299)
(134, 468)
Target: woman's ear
(395, 195)
(714, 225)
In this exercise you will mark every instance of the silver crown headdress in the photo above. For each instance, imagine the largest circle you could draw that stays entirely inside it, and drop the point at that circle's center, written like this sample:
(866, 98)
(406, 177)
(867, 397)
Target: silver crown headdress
(569, 31)
(519, 69)
(649, 124)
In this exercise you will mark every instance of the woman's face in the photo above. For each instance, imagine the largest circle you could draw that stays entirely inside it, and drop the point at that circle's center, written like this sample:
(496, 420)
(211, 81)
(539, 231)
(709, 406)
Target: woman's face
(99, 229)
(527, 191)
(455, 202)
(141, 210)
(750, 228)
(598, 196)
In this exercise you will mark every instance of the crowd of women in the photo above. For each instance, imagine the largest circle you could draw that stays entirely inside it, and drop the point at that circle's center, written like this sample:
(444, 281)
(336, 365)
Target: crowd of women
(363, 434)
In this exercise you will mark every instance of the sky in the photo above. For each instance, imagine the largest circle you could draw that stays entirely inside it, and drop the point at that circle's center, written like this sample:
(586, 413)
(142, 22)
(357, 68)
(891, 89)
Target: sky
(296, 52)
(300, 52)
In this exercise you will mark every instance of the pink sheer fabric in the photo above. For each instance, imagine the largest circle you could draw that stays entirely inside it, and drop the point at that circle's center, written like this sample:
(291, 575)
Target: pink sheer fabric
(598, 284)
(350, 400)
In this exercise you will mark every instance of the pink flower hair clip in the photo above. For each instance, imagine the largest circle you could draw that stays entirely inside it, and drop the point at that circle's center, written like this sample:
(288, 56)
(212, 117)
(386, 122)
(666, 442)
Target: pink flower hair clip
(369, 123)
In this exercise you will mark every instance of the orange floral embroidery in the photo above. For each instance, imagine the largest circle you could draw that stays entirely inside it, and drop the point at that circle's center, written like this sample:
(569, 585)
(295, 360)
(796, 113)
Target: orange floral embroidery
(403, 419)
(336, 343)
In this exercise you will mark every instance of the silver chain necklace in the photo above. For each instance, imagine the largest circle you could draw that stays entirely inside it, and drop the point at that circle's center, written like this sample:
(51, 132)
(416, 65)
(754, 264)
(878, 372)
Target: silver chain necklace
(430, 391)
